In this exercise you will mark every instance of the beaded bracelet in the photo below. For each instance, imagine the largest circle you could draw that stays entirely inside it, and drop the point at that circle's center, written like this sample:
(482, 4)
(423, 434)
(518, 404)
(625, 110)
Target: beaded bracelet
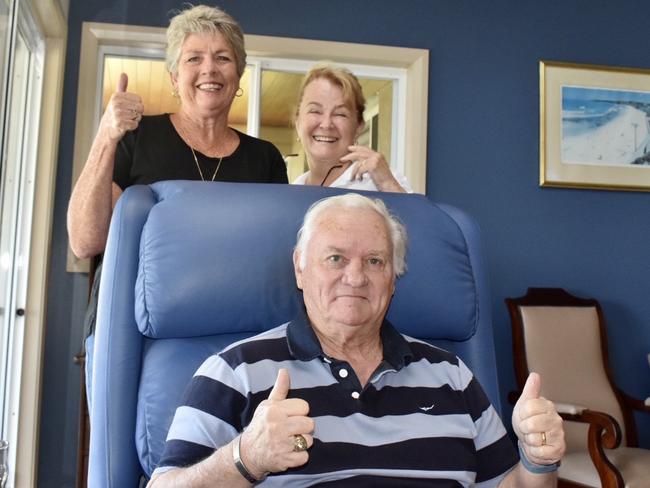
(534, 467)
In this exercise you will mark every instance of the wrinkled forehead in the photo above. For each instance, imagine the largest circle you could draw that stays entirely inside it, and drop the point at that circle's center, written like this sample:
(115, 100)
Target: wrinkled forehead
(199, 39)
(345, 226)
(322, 87)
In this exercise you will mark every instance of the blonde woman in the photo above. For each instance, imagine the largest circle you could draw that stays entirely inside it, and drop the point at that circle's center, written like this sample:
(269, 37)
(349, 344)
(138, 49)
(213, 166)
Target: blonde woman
(329, 118)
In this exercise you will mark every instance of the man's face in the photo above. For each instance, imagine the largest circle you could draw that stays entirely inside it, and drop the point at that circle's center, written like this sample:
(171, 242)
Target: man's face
(348, 277)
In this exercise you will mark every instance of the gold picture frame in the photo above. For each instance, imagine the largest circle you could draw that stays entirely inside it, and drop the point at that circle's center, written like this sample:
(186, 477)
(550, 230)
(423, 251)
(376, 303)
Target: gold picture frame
(594, 127)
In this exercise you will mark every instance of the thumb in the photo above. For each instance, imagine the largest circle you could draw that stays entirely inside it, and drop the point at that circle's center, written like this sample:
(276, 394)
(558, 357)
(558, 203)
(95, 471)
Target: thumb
(122, 83)
(281, 387)
(532, 387)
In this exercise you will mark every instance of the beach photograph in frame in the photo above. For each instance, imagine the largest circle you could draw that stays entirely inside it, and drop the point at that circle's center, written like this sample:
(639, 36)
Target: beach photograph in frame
(594, 127)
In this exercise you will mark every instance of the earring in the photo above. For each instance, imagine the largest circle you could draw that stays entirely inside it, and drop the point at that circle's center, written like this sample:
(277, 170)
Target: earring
(175, 92)
(239, 92)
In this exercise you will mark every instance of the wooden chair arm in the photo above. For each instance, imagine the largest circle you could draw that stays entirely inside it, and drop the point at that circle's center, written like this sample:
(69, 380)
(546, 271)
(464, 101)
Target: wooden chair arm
(569, 408)
(604, 432)
(635, 403)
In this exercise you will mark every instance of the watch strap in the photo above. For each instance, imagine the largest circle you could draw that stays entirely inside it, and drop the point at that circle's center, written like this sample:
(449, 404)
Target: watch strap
(534, 467)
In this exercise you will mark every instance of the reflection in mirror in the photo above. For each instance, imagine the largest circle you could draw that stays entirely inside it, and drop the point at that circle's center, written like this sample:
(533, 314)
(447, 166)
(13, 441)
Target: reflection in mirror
(278, 99)
(279, 96)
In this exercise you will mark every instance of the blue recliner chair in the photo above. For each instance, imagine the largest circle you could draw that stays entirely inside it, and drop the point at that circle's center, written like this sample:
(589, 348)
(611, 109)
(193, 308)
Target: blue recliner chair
(191, 267)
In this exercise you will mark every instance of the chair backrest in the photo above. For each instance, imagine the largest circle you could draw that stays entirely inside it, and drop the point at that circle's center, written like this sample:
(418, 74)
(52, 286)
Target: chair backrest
(562, 338)
(190, 267)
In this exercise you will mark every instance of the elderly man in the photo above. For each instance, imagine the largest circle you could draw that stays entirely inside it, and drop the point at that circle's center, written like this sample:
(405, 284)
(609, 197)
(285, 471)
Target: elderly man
(338, 397)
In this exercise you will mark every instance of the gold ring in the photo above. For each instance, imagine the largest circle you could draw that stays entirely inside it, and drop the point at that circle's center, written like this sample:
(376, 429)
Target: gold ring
(543, 438)
(299, 443)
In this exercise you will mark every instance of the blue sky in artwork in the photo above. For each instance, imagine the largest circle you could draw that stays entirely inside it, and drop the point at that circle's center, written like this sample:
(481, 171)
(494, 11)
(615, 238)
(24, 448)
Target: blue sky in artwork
(605, 127)
(580, 93)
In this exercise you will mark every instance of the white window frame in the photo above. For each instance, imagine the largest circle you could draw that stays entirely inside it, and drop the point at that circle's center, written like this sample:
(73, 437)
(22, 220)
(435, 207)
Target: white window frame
(257, 65)
(32, 151)
(408, 67)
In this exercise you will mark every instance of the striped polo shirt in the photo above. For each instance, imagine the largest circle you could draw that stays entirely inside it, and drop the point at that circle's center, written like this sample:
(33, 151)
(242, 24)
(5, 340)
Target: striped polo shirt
(421, 420)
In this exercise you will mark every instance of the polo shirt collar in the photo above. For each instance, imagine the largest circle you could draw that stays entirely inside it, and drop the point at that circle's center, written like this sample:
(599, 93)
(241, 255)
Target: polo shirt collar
(304, 345)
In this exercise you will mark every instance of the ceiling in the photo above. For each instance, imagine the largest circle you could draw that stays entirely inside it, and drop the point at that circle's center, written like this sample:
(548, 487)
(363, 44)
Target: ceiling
(149, 79)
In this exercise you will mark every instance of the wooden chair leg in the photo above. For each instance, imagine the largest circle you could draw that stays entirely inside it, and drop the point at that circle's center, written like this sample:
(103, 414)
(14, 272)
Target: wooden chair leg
(83, 438)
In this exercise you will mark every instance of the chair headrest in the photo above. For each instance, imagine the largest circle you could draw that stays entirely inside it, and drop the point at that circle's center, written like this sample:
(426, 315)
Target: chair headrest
(216, 258)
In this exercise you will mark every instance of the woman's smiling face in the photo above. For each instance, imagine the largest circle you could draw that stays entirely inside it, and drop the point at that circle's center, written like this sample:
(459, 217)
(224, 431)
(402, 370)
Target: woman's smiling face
(207, 78)
(326, 123)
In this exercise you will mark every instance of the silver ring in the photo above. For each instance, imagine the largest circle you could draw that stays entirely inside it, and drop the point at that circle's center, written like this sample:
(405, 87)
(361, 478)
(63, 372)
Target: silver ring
(299, 443)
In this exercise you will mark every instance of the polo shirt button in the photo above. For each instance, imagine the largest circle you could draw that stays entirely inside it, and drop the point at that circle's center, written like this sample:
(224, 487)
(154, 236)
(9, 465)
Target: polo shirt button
(355, 395)
(343, 373)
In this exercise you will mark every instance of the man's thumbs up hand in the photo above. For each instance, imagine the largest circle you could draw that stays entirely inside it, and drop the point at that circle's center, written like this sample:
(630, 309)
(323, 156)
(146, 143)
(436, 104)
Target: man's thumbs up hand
(281, 387)
(537, 424)
(269, 440)
(532, 388)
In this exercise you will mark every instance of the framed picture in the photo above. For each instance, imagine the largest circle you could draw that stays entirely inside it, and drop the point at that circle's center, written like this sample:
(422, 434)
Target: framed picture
(594, 127)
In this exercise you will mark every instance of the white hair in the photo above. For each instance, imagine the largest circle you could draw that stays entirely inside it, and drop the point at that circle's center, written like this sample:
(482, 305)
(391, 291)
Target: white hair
(199, 20)
(395, 228)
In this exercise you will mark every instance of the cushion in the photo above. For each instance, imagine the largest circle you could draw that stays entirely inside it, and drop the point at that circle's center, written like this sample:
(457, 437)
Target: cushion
(236, 278)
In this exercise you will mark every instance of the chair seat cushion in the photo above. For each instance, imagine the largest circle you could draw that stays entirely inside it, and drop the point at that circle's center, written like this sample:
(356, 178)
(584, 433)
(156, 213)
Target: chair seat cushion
(632, 462)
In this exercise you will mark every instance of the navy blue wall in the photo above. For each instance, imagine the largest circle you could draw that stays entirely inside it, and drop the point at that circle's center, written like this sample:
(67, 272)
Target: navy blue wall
(482, 156)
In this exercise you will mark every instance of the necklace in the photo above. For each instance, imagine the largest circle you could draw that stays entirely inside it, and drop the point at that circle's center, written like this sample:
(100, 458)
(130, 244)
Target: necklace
(199, 167)
(330, 172)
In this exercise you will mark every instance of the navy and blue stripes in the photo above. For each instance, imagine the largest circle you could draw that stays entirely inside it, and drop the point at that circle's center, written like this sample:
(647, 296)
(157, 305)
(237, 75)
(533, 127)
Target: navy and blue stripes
(421, 417)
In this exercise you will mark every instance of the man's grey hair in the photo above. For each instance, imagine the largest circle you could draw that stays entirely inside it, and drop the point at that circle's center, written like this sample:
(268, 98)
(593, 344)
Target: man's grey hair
(396, 229)
(203, 19)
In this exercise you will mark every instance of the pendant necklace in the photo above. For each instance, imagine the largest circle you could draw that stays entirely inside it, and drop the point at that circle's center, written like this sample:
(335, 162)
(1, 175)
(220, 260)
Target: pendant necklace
(330, 172)
(196, 160)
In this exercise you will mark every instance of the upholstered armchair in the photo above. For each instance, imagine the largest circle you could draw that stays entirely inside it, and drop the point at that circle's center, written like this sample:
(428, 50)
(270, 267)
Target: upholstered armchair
(563, 338)
(191, 267)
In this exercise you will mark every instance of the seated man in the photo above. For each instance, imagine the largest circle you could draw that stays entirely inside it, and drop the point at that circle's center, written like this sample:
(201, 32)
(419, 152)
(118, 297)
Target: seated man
(339, 397)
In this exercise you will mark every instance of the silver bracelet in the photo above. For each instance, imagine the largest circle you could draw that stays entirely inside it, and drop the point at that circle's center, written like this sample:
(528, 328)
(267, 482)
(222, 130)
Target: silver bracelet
(534, 467)
(239, 464)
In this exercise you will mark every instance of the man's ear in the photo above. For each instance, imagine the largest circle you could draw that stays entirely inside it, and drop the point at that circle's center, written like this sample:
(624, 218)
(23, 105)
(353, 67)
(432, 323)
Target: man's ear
(296, 268)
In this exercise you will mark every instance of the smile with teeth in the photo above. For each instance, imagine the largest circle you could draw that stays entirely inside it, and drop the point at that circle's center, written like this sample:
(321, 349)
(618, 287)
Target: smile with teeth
(210, 86)
(325, 139)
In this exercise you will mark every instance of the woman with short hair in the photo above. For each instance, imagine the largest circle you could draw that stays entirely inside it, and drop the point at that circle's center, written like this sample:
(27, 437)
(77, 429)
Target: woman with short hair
(205, 59)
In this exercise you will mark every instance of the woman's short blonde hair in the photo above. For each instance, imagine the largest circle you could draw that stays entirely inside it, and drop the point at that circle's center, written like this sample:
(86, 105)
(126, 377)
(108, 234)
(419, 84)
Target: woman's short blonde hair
(199, 20)
(344, 79)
